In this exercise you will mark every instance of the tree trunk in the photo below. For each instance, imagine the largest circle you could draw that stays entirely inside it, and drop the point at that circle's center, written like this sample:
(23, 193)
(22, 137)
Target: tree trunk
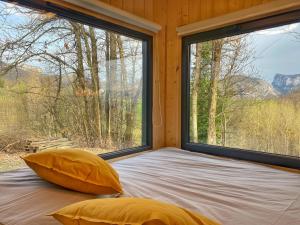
(107, 88)
(113, 85)
(124, 86)
(81, 84)
(215, 75)
(131, 115)
(96, 83)
(92, 59)
(194, 95)
(111, 69)
(133, 101)
(58, 126)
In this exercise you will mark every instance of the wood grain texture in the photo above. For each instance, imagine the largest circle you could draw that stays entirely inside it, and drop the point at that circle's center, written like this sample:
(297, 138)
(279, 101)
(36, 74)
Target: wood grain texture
(128, 5)
(159, 78)
(239, 16)
(167, 53)
(117, 3)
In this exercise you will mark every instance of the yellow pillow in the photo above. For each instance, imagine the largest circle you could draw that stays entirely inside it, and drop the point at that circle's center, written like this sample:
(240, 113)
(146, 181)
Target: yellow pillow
(75, 169)
(129, 211)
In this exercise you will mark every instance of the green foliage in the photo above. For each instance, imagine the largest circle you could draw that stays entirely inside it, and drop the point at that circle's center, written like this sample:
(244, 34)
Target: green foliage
(203, 93)
(203, 107)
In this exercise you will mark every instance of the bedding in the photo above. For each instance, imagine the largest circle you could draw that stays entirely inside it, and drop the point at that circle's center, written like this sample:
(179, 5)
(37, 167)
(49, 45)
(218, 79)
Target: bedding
(75, 169)
(230, 191)
(128, 211)
(25, 199)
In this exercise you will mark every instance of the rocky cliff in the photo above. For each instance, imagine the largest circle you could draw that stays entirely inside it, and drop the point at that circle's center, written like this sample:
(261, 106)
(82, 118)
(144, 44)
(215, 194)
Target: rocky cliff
(286, 84)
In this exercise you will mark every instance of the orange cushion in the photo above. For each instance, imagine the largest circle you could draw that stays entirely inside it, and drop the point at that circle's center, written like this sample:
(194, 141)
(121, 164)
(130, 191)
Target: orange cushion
(75, 169)
(129, 211)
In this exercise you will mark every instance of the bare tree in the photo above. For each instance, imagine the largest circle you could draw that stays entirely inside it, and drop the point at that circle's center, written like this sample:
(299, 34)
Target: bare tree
(215, 75)
(195, 92)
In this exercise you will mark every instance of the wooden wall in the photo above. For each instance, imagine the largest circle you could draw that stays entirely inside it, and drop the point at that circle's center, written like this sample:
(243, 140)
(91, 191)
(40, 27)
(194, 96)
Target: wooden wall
(167, 53)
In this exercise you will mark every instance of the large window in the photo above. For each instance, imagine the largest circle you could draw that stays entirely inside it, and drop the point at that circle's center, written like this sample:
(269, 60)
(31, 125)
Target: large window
(241, 89)
(70, 80)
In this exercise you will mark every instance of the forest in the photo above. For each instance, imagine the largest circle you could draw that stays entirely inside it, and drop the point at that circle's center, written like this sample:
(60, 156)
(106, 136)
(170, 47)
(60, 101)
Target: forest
(62, 79)
(231, 105)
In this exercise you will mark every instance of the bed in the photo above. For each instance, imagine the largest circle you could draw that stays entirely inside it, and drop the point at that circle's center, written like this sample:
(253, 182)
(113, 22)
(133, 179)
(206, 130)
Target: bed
(231, 191)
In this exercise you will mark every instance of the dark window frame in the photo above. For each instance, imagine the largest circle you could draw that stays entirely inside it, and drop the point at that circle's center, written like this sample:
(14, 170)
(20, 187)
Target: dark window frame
(237, 153)
(147, 51)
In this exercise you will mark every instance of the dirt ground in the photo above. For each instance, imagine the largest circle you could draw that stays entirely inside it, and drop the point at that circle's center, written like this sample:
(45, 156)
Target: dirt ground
(13, 161)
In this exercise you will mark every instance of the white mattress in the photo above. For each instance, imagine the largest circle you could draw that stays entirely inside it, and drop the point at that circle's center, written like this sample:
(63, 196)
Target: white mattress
(231, 191)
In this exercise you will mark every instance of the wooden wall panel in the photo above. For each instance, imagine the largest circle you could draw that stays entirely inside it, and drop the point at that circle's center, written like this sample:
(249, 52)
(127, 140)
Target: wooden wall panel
(149, 11)
(117, 3)
(159, 79)
(128, 6)
(172, 71)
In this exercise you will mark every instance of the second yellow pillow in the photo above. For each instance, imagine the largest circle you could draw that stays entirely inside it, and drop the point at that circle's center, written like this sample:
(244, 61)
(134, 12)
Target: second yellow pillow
(129, 211)
(75, 169)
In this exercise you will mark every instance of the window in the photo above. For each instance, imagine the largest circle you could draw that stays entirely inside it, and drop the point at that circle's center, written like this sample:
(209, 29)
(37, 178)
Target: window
(241, 90)
(70, 80)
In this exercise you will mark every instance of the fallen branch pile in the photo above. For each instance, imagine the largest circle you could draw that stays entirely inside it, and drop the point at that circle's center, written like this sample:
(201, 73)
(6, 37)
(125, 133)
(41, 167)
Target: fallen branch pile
(12, 143)
(34, 145)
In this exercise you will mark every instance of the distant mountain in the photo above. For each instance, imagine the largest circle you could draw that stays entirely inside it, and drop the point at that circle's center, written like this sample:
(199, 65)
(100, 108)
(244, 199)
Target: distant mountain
(240, 86)
(32, 75)
(19, 73)
(286, 84)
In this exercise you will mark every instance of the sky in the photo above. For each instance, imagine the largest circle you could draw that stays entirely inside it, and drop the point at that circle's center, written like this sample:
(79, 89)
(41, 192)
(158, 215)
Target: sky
(276, 51)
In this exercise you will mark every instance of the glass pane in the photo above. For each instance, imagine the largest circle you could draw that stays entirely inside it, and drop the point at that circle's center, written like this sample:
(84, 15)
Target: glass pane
(66, 84)
(245, 91)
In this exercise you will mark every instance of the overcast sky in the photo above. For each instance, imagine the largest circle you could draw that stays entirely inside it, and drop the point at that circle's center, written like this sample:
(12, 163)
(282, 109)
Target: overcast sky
(276, 51)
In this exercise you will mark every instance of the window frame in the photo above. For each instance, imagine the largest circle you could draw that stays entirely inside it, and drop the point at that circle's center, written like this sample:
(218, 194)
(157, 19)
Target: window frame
(227, 31)
(147, 52)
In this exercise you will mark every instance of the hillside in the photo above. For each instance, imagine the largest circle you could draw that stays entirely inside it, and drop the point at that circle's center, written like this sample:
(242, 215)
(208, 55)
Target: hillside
(32, 76)
(24, 73)
(241, 86)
